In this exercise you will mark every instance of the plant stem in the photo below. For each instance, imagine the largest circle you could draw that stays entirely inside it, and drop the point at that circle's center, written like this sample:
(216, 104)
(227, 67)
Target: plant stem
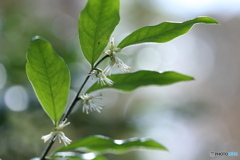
(69, 109)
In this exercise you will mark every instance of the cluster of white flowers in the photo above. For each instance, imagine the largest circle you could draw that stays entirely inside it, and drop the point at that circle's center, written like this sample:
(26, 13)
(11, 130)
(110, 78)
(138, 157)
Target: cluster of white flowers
(112, 52)
(58, 134)
(89, 104)
(87, 100)
(101, 77)
(114, 60)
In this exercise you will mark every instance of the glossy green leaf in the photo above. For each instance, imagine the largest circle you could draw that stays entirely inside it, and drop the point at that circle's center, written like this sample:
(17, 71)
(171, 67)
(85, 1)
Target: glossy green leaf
(49, 76)
(131, 81)
(162, 32)
(101, 144)
(77, 156)
(96, 24)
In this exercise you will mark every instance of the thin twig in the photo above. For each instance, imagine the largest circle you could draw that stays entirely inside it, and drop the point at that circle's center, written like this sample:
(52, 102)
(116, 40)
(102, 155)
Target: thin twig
(69, 109)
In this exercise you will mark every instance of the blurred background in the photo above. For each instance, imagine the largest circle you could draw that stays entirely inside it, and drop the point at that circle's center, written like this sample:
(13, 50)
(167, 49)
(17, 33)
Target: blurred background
(190, 118)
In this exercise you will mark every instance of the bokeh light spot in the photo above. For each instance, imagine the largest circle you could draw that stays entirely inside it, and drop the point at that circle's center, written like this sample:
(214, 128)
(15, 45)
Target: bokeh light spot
(88, 156)
(16, 98)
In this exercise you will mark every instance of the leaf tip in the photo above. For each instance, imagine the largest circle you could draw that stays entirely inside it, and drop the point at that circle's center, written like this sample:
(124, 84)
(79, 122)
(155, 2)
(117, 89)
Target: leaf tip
(37, 37)
(208, 20)
(165, 149)
(213, 21)
(191, 78)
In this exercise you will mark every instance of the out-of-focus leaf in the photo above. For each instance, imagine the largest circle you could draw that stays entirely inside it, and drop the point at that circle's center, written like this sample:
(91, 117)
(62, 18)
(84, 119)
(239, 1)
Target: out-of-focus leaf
(49, 76)
(77, 156)
(102, 144)
(162, 32)
(131, 81)
(96, 24)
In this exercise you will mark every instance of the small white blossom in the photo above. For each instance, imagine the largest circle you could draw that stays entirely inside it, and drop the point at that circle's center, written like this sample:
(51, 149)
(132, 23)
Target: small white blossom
(120, 64)
(48, 137)
(102, 78)
(61, 137)
(88, 103)
(112, 52)
(62, 125)
(58, 134)
(108, 69)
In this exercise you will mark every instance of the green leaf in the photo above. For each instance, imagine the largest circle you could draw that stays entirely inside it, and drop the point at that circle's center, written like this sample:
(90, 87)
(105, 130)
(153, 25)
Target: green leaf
(162, 32)
(131, 81)
(96, 24)
(77, 156)
(49, 76)
(101, 144)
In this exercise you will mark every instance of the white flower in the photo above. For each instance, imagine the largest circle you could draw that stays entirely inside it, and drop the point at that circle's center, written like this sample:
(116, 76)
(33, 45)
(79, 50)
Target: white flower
(115, 60)
(88, 103)
(102, 78)
(108, 69)
(61, 136)
(112, 52)
(48, 136)
(120, 64)
(62, 125)
(58, 134)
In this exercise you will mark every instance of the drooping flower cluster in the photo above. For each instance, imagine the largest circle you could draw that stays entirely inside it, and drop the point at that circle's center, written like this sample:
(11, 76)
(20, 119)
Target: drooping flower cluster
(58, 134)
(89, 104)
(114, 60)
(101, 77)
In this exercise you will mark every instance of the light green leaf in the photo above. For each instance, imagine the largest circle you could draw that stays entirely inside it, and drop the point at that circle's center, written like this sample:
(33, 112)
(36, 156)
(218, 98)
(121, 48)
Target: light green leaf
(96, 24)
(77, 156)
(131, 81)
(101, 144)
(49, 76)
(162, 32)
